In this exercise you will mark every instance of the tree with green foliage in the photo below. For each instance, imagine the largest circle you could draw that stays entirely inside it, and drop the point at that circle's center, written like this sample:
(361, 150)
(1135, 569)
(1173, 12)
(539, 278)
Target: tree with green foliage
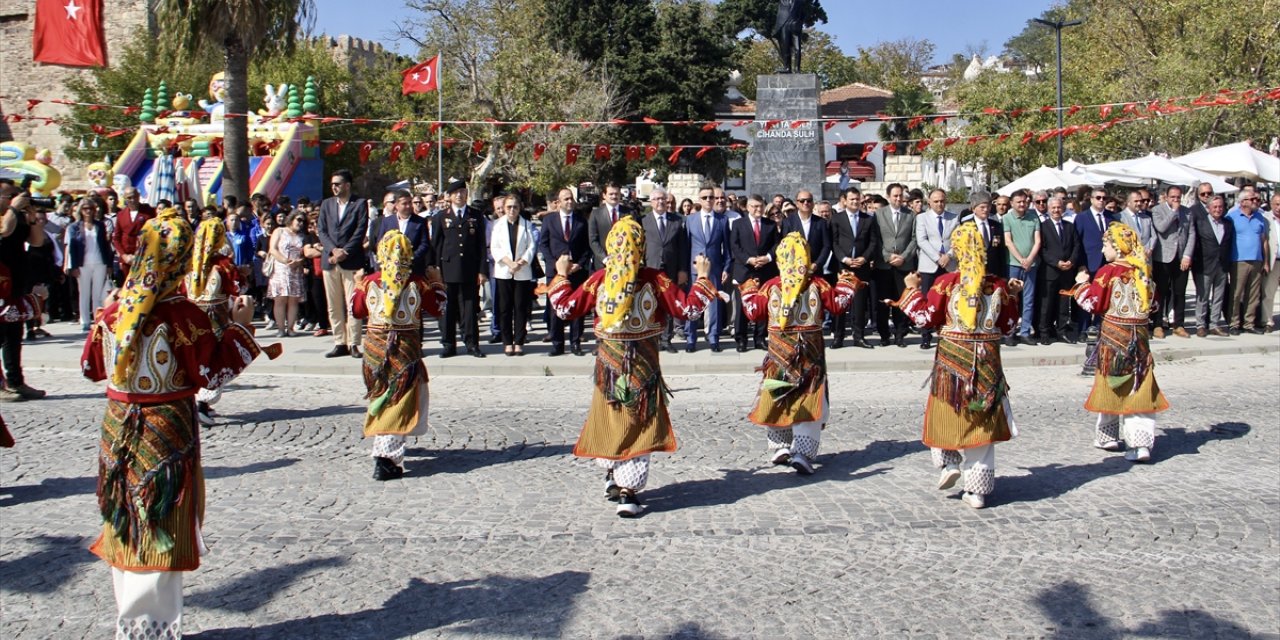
(894, 64)
(239, 29)
(904, 104)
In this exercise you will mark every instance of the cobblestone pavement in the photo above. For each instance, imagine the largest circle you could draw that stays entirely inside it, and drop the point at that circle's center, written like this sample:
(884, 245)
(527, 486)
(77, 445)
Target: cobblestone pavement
(499, 532)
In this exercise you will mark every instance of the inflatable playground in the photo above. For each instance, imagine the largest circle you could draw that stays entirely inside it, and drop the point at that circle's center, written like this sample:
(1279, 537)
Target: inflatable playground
(177, 153)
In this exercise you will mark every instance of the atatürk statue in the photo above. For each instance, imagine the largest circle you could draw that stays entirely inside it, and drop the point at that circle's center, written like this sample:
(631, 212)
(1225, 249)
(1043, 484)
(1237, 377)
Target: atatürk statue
(788, 33)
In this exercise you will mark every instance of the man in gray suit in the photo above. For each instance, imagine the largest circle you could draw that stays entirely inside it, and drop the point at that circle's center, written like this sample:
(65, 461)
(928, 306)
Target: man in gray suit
(666, 248)
(602, 219)
(342, 225)
(897, 258)
(1170, 262)
(933, 235)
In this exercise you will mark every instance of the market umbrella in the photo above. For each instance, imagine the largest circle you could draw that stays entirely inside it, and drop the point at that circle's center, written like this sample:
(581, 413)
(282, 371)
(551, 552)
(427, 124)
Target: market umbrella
(1139, 171)
(1236, 160)
(1046, 178)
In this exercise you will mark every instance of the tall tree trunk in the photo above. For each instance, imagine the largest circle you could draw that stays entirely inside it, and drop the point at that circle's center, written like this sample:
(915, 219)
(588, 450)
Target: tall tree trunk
(235, 173)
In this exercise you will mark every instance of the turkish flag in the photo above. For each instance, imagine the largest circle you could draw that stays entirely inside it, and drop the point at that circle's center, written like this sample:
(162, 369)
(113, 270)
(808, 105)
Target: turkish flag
(421, 150)
(633, 153)
(603, 152)
(539, 148)
(571, 153)
(421, 77)
(650, 151)
(396, 148)
(364, 152)
(69, 32)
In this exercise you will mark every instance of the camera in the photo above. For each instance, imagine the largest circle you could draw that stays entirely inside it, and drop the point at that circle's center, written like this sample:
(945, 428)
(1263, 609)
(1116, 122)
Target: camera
(588, 197)
(40, 202)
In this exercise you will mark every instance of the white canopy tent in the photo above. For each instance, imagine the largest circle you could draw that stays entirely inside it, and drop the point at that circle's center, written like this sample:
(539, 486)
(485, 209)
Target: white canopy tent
(1046, 178)
(1237, 160)
(1139, 171)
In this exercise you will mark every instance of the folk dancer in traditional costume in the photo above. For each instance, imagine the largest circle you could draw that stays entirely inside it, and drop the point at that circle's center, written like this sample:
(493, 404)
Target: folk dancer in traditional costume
(393, 302)
(793, 400)
(20, 309)
(213, 284)
(968, 409)
(156, 348)
(1125, 393)
(628, 417)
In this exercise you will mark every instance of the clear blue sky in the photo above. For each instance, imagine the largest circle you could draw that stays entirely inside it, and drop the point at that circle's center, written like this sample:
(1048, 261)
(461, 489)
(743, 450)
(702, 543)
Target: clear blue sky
(952, 25)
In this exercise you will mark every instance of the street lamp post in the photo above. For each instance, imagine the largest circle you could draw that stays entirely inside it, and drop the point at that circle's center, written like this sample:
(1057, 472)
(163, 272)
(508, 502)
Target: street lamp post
(1058, 26)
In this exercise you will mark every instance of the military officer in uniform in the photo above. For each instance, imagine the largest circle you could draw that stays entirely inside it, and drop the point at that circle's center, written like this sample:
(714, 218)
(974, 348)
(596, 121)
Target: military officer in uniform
(458, 239)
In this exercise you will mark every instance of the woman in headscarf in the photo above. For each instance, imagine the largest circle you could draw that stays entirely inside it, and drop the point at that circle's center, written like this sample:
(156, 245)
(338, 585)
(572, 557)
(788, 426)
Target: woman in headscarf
(628, 417)
(393, 302)
(793, 399)
(213, 284)
(1125, 393)
(968, 409)
(156, 349)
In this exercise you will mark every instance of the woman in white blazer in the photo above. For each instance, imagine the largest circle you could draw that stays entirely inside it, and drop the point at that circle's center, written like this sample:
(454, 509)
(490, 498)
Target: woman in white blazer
(511, 243)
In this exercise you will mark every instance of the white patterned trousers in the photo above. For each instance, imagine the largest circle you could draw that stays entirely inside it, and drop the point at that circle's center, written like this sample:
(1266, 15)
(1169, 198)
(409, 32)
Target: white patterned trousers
(390, 447)
(804, 438)
(977, 464)
(148, 604)
(632, 473)
(1136, 430)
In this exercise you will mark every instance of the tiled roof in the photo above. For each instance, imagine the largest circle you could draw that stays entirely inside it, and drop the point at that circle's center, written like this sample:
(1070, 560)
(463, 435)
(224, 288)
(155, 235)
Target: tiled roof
(855, 99)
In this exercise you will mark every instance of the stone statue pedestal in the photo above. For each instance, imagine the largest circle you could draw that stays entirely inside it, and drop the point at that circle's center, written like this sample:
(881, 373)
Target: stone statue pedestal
(786, 159)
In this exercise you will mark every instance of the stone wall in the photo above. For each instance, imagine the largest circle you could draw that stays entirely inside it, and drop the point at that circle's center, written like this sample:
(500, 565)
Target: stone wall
(685, 185)
(907, 170)
(21, 79)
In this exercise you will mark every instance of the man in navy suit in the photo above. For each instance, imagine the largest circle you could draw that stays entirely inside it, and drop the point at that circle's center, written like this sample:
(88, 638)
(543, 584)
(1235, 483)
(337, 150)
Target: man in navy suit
(413, 227)
(564, 233)
(708, 236)
(1091, 224)
(753, 242)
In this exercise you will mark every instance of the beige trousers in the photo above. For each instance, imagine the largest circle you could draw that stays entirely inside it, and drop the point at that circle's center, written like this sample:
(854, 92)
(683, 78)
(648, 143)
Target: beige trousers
(339, 287)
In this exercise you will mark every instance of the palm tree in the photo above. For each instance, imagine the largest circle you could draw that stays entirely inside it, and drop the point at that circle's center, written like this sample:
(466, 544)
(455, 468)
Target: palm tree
(238, 28)
(907, 102)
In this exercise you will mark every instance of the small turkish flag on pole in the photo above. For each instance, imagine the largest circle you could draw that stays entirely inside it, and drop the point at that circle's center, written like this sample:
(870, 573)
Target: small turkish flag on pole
(421, 77)
(69, 32)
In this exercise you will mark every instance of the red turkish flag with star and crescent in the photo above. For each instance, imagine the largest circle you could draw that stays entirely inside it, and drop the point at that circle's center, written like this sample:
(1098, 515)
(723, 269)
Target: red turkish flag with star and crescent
(69, 32)
(421, 77)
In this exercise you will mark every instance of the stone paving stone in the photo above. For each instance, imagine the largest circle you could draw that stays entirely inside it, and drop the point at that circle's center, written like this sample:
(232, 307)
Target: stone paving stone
(498, 532)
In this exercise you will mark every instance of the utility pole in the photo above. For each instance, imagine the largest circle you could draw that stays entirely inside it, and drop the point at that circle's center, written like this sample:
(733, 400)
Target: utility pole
(1058, 26)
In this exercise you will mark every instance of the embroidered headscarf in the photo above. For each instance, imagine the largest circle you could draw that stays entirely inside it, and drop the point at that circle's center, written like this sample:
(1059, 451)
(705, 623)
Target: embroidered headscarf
(164, 254)
(1130, 251)
(211, 242)
(395, 257)
(624, 247)
(793, 270)
(971, 263)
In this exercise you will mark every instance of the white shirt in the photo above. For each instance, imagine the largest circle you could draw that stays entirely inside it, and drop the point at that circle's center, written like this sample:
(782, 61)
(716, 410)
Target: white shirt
(92, 254)
(402, 223)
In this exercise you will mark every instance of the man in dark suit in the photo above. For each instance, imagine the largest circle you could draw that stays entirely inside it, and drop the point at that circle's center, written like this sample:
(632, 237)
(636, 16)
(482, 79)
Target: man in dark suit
(855, 238)
(343, 222)
(753, 240)
(1090, 225)
(1210, 244)
(708, 236)
(992, 233)
(897, 258)
(816, 231)
(602, 218)
(457, 242)
(564, 233)
(666, 248)
(1060, 256)
(413, 227)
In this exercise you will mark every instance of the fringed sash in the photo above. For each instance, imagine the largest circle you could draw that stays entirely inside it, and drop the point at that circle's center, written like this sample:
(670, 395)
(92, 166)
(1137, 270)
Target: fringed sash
(796, 362)
(148, 455)
(392, 359)
(967, 375)
(628, 375)
(1124, 354)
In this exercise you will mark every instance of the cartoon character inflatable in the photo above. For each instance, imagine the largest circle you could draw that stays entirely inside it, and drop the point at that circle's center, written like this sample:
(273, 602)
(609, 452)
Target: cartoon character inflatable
(98, 172)
(23, 158)
(276, 100)
(217, 91)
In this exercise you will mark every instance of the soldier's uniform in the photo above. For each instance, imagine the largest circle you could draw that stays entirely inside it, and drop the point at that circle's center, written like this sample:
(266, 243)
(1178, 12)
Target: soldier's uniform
(458, 238)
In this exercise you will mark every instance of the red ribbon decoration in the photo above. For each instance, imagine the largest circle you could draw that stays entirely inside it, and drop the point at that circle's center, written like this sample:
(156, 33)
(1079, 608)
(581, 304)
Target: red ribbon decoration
(857, 123)
(648, 120)
(400, 124)
(950, 141)
(827, 125)
(702, 152)
(796, 124)
(525, 127)
(435, 126)
(891, 148)
(675, 156)
(915, 122)
(710, 126)
(477, 146)
(921, 145)
(866, 149)
(1027, 136)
